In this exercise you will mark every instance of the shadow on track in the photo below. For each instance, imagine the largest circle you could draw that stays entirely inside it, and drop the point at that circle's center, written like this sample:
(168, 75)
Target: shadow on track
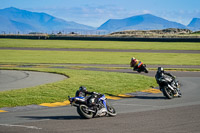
(52, 117)
(139, 96)
(150, 97)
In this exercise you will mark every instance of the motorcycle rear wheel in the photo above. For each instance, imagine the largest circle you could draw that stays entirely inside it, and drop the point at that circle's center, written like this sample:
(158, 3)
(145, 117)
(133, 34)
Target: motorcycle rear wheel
(83, 112)
(168, 93)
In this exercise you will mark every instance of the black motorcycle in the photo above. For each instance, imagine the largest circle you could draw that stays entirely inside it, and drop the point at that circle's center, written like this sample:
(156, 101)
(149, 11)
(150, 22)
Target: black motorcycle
(169, 86)
(85, 111)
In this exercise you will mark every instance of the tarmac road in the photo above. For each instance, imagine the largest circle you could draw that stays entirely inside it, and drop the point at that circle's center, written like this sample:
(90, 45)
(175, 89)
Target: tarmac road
(145, 113)
(11, 79)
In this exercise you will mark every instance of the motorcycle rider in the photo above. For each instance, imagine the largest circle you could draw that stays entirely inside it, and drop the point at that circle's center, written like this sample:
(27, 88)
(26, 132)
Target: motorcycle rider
(160, 73)
(134, 63)
(92, 100)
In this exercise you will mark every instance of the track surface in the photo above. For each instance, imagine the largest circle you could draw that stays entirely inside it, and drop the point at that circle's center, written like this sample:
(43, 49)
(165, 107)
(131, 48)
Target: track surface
(21, 79)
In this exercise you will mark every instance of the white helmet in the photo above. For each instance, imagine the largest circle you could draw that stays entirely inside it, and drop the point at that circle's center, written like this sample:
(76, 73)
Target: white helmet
(160, 69)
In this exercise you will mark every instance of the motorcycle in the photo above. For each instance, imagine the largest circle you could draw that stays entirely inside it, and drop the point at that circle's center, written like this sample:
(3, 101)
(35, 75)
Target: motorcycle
(85, 111)
(141, 68)
(169, 86)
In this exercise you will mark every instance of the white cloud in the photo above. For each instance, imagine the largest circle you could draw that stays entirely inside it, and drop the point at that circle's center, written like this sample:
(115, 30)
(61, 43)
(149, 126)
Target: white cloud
(146, 12)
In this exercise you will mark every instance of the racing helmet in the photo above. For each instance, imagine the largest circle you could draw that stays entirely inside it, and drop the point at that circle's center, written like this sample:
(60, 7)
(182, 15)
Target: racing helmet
(160, 69)
(82, 88)
(133, 58)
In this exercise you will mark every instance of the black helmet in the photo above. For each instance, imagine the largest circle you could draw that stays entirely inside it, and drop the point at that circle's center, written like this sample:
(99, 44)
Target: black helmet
(160, 69)
(82, 88)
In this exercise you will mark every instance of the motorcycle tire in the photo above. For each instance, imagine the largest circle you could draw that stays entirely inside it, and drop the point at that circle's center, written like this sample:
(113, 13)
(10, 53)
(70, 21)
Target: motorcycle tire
(145, 69)
(82, 111)
(168, 93)
(111, 111)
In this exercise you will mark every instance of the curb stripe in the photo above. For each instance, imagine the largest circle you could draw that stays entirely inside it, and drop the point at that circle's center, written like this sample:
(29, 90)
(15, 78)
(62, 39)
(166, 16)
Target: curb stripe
(120, 96)
(152, 90)
(3, 111)
(65, 103)
(55, 104)
(113, 97)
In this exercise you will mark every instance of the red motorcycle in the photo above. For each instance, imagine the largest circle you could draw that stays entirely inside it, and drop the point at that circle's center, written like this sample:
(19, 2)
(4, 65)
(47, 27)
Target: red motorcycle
(140, 67)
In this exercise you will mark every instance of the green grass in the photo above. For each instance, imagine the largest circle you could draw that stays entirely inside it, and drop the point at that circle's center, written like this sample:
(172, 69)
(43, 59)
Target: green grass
(26, 56)
(103, 82)
(100, 44)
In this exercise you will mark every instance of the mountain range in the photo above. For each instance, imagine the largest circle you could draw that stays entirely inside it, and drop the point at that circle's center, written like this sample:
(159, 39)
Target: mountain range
(194, 25)
(140, 22)
(14, 20)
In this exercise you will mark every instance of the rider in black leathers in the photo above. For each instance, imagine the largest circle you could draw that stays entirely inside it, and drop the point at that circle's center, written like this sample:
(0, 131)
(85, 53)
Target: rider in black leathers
(160, 73)
(92, 100)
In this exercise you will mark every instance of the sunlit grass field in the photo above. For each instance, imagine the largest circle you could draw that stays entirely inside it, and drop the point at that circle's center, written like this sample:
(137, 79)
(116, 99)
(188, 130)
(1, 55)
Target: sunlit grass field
(100, 44)
(28, 56)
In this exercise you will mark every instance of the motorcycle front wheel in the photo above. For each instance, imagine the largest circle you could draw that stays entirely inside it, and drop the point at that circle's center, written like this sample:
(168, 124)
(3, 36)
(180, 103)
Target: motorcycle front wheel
(145, 69)
(168, 92)
(111, 110)
(83, 112)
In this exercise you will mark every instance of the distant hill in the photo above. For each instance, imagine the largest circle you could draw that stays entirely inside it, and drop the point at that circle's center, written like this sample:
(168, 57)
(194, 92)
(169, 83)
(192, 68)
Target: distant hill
(16, 20)
(194, 24)
(140, 22)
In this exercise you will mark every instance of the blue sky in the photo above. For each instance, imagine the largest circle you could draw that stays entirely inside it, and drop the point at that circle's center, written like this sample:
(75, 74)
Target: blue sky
(96, 12)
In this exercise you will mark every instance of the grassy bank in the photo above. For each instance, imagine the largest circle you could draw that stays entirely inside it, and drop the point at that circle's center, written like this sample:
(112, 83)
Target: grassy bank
(103, 82)
(99, 44)
(28, 56)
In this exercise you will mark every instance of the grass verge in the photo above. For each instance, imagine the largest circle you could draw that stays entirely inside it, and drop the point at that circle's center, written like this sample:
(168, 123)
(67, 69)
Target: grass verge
(99, 44)
(28, 56)
(103, 82)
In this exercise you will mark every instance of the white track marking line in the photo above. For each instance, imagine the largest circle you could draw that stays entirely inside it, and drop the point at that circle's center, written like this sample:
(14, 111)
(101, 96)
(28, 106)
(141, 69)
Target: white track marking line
(24, 126)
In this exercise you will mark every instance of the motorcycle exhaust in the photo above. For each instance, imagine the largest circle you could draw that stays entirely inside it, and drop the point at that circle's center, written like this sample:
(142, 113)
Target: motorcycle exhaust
(91, 110)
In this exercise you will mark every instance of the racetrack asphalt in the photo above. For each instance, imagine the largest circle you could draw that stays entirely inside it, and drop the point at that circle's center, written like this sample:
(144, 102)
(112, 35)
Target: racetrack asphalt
(12, 79)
